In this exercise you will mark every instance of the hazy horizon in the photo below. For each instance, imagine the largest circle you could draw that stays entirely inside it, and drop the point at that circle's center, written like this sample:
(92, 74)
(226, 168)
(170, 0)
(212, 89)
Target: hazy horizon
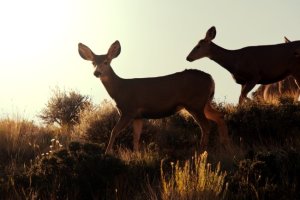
(39, 42)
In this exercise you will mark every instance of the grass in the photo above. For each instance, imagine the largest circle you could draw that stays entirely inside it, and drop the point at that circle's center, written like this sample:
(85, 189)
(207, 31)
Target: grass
(194, 180)
(39, 162)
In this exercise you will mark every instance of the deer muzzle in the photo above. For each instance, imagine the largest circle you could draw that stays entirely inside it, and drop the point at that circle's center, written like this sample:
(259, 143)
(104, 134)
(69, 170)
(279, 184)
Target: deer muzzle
(97, 74)
(189, 59)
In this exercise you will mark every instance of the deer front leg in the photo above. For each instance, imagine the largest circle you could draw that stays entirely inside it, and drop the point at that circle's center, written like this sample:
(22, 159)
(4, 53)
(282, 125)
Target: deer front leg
(121, 124)
(137, 129)
(245, 90)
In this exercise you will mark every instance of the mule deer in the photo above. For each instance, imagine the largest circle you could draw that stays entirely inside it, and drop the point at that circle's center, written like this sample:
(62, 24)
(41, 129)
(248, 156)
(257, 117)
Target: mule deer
(156, 97)
(254, 64)
(285, 87)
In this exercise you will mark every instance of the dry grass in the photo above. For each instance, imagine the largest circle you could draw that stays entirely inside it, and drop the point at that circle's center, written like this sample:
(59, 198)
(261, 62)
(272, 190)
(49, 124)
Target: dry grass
(194, 180)
(21, 141)
(254, 128)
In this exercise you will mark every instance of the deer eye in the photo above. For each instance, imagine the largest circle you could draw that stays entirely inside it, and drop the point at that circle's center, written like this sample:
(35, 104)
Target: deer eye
(105, 62)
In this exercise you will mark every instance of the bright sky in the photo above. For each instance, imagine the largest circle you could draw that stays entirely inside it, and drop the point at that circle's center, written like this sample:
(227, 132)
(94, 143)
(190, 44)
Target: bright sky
(39, 42)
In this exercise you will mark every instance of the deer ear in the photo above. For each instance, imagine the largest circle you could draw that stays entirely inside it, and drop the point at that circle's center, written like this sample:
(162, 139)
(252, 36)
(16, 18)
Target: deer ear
(211, 33)
(286, 40)
(114, 50)
(85, 52)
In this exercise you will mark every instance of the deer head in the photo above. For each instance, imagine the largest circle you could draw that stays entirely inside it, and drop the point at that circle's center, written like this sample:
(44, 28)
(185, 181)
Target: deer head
(203, 48)
(101, 63)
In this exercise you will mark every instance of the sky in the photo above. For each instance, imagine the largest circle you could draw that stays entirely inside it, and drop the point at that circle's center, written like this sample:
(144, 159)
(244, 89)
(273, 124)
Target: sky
(38, 42)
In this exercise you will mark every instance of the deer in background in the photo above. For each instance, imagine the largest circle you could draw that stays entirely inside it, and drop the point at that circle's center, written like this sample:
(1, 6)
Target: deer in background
(254, 64)
(285, 87)
(156, 97)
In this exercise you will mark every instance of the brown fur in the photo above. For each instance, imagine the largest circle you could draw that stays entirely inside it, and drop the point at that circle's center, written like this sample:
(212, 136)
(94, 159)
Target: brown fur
(254, 64)
(156, 97)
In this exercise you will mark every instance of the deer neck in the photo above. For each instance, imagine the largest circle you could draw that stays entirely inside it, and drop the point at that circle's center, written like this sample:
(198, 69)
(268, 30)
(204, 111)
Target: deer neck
(225, 58)
(112, 83)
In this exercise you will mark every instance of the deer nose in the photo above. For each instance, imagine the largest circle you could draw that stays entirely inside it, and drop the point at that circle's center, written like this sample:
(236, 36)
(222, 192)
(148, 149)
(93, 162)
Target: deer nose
(189, 59)
(97, 74)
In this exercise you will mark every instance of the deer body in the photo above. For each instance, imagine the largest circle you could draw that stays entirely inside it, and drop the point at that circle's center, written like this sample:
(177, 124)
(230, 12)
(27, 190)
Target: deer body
(159, 89)
(254, 64)
(156, 97)
(285, 87)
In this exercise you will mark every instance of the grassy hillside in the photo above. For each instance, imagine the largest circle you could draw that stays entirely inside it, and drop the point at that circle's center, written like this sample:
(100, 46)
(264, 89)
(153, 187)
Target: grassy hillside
(40, 162)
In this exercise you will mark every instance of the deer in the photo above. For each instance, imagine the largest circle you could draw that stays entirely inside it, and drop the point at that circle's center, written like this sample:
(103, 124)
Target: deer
(285, 87)
(156, 97)
(251, 65)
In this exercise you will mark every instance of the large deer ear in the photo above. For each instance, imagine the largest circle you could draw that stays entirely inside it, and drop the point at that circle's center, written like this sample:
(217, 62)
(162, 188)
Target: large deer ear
(114, 50)
(286, 40)
(211, 33)
(85, 52)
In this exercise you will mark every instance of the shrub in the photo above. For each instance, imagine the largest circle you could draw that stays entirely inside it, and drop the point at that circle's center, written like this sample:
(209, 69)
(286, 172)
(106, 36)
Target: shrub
(264, 123)
(63, 108)
(96, 124)
(194, 180)
(172, 135)
(266, 175)
(81, 171)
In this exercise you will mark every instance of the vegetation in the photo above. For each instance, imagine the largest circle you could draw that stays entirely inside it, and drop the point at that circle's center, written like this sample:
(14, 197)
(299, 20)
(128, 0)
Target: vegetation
(194, 180)
(46, 162)
(63, 108)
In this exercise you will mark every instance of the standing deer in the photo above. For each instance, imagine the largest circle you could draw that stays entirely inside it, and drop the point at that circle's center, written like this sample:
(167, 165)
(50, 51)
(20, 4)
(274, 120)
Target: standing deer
(254, 64)
(156, 97)
(285, 87)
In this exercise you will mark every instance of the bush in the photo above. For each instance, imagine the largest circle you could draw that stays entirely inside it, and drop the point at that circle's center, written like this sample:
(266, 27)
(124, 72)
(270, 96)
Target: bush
(256, 124)
(96, 124)
(266, 175)
(81, 171)
(170, 135)
(64, 107)
(194, 180)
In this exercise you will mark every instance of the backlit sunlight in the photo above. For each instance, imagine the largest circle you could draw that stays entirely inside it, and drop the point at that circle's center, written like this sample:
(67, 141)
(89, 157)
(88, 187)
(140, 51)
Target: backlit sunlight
(29, 27)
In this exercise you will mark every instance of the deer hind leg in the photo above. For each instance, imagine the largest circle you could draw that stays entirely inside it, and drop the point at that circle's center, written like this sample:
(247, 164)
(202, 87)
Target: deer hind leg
(204, 126)
(121, 124)
(297, 80)
(245, 90)
(137, 129)
(218, 117)
(266, 93)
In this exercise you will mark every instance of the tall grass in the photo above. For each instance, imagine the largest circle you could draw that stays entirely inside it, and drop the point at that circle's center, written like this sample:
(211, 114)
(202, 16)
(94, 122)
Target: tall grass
(194, 180)
(21, 141)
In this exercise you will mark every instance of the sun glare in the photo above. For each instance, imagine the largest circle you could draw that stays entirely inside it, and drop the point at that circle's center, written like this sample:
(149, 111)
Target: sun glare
(29, 27)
